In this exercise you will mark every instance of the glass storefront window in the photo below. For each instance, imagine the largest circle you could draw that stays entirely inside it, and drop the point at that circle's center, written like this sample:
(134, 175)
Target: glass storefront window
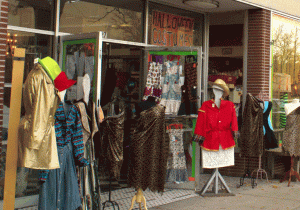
(31, 14)
(122, 21)
(36, 45)
(286, 66)
(181, 28)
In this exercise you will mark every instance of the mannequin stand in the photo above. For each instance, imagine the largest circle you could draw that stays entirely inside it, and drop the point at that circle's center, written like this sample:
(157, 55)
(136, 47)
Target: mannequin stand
(139, 198)
(291, 173)
(216, 176)
(247, 175)
(259, 170)
(113, 203)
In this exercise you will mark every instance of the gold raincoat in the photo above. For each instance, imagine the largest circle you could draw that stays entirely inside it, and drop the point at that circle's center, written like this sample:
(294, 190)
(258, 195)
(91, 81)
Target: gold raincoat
(37, 141)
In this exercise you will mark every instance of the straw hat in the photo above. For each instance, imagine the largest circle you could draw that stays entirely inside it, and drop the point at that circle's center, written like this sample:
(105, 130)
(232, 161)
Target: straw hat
(290, 107)
(220, 83)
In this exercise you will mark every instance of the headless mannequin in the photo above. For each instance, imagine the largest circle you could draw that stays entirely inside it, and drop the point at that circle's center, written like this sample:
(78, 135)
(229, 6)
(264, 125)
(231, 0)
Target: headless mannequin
(139, 197)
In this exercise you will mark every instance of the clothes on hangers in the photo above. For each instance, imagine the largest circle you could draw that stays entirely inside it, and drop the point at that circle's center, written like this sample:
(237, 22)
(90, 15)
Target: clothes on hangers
(171, 91)
(111, 145)
(153, 84)
(59, 189)
(87, 175)
(252, 135)
(176, 166)
(269, 137)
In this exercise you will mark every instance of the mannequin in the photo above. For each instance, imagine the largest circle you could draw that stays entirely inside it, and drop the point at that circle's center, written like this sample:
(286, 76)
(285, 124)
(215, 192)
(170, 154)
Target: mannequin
(288, 108)
(215, 123)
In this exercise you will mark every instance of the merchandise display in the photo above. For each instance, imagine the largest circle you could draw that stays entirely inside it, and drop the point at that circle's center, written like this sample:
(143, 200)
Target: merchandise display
(176, 167)
(252, 126)
(149, 151)
(269, 136)
(37, 142)
(290, 141)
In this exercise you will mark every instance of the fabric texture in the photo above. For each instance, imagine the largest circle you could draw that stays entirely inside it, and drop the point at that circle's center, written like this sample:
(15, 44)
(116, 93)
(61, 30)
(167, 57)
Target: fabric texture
(111, 150)
(283, 100)
(153, 84)
(87, 176)
(216, 125)
(149, 150)
(218, 159)
(68, 128)
(37, 141)
(252, 135)
(60, 190)
(290, 141)
(171, 90)
(176, 167)
(269, 137)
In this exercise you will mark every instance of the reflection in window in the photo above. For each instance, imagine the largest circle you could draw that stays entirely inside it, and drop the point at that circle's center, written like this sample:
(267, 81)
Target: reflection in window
(36, 45)
(31, 13)
(286, 66)
(118, 21)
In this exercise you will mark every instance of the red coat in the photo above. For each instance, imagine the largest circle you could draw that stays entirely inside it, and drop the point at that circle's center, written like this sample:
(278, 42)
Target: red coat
(216, 125)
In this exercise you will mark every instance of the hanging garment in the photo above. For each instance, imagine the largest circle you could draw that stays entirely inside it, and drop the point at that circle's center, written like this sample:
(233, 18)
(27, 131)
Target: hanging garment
(188, 107)
(283, 100)
(149, 150)
(216, 125)
(190, 71)
(171, 91)
(153, 85)
(60, 186)
(252, 134)
(176, 167)
(37, 142)
(87, 176)
(111, 151)
(269, 137)
(290, 141)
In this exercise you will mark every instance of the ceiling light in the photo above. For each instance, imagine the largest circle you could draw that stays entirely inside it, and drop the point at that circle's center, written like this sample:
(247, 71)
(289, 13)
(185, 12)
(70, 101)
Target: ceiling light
(205, 4)
(73, 1)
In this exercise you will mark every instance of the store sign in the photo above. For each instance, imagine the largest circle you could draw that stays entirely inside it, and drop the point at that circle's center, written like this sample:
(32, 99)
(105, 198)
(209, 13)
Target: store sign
(171, 30)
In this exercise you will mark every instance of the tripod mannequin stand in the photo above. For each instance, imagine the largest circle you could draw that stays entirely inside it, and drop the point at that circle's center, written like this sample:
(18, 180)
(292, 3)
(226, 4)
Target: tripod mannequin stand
(109, 201)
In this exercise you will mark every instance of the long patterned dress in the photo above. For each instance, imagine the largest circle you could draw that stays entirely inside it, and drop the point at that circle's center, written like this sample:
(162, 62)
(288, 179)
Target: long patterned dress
(149, 150)
(177, 171)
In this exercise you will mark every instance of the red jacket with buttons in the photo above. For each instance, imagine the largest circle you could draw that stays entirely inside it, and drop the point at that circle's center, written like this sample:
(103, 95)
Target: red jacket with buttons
(216, 125)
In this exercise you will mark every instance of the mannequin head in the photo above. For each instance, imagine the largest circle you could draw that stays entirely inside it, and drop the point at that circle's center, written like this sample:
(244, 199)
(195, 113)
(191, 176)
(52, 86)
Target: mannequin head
(218, 92)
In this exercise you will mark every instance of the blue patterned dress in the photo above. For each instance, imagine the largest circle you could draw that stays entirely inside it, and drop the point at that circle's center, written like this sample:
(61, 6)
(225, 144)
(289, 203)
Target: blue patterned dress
(60, 186)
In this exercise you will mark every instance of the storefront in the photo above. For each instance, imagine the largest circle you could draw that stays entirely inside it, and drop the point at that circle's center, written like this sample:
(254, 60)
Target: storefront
(123, 37)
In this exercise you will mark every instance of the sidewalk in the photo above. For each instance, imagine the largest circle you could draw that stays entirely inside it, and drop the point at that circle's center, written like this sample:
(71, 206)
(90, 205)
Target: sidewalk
(272, 195)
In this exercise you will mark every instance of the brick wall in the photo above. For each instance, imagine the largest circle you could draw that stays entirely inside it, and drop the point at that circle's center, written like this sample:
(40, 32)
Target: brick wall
(3, 38)
(259, 27)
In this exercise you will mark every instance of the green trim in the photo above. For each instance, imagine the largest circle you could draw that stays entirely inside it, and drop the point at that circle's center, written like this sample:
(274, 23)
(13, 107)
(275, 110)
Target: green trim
(72, 42)
(172, 53)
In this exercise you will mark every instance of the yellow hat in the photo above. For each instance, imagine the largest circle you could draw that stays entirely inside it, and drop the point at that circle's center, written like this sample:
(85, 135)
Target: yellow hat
(221, 84)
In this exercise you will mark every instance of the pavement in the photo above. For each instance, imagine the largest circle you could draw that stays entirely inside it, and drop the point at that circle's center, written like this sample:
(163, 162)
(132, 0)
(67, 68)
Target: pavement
(271, 195)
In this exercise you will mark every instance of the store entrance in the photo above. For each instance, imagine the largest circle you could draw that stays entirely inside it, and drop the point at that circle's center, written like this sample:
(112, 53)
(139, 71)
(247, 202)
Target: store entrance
(123, 69)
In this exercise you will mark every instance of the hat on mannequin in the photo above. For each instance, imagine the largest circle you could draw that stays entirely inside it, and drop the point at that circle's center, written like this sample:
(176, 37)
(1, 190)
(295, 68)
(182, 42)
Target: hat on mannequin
(220, 83)
(59, 77)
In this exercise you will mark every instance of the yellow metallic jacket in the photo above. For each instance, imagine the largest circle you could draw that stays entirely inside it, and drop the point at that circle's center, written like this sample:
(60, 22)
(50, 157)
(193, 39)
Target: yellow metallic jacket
(37, 141)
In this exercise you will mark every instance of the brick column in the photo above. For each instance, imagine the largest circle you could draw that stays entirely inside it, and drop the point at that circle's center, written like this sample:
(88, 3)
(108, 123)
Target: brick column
(3, 38)
(259, 52)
